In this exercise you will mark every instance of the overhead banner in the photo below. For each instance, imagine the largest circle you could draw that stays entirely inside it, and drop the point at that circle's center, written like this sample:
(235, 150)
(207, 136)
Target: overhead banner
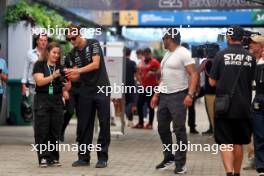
(155, 4)
(100, 17)
(128, 18)
(193, 18)
(258, 17)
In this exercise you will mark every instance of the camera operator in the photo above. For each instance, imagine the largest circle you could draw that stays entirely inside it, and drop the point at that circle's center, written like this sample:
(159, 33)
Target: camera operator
(209, 95)
(48, 105)
(232, 73)
(256, 47)
(209, 92)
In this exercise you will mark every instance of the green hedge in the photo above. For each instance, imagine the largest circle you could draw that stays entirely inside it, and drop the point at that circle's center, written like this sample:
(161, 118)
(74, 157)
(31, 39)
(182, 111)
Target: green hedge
(35, 14)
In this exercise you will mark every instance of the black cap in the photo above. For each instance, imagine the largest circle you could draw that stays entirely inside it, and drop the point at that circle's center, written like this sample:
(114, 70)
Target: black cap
(236, 32)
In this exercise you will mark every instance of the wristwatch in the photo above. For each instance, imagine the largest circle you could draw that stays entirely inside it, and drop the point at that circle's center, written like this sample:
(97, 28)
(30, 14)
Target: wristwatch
(191, 95)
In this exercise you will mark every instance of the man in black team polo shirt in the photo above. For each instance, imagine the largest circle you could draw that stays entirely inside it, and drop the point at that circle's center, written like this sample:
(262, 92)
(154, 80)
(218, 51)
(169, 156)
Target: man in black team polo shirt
(89, 68)
(233, 128)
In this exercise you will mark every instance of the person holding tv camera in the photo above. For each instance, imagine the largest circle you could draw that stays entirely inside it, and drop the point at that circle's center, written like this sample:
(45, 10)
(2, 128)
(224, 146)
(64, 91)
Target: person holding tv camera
(48, 107)
(208, 51)
(256, 47)
(232, 73)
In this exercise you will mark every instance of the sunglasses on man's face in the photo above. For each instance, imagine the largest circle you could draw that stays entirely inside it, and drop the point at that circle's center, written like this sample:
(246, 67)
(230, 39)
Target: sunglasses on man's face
(71, 38)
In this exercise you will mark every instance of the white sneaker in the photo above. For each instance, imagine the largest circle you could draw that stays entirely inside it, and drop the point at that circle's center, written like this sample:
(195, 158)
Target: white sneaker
(43, 163)
(181, 170)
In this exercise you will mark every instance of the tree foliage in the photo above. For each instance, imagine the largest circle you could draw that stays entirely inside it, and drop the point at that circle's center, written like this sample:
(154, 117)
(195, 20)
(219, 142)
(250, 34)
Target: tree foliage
(35, 14)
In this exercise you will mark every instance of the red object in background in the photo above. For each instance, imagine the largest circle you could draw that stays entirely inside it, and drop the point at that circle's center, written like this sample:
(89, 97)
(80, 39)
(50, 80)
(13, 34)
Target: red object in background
(149, 80)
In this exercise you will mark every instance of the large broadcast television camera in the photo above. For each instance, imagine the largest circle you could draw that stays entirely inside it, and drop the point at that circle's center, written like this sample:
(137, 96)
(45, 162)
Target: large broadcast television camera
(207, 51)
(246, 38)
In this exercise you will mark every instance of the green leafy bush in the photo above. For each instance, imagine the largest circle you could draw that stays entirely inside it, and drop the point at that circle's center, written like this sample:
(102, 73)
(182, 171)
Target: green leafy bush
(35, 14)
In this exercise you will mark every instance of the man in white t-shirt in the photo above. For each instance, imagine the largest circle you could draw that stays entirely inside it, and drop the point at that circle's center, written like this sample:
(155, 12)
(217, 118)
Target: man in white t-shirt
(177, 87)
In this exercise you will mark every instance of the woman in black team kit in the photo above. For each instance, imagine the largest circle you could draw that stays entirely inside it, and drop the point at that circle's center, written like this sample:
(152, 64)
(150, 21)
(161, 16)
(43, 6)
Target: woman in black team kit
(49, 105)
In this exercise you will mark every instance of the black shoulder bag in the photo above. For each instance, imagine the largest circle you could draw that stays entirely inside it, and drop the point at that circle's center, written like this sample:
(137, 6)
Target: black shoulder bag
(223, 102)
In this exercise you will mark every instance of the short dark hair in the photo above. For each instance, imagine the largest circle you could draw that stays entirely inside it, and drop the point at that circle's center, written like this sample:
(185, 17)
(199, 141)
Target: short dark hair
(176, 37)
(127, 51)
(139, 52)
(147, 51)
(74, 29)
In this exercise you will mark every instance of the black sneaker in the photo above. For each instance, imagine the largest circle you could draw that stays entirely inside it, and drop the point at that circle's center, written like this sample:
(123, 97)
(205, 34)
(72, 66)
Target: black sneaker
(193, 131)
(43, 163)
(101, 164)
(79, 163)
(165, 164)
(180, 170)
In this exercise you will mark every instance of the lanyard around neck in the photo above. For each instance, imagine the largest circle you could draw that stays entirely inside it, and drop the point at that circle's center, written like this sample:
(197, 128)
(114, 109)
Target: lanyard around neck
(51, 72)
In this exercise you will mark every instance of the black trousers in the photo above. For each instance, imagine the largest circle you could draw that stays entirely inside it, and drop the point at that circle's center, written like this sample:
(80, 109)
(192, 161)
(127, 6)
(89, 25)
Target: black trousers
(71, 105)
(48, 123)
(142, 99)
(89, 102)
(192, 116)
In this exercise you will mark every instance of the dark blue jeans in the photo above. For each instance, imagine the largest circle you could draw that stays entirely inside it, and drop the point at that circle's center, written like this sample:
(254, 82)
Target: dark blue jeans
(258, 129)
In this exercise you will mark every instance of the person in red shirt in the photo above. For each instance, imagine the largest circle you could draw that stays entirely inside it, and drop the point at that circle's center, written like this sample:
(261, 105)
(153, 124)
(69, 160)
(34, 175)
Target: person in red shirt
(148, 75)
